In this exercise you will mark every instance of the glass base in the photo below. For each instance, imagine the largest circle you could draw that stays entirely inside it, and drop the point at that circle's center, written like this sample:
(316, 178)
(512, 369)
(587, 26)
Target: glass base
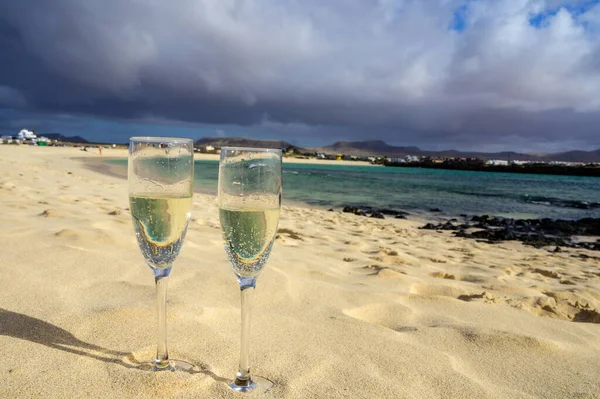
(176, 365)
(253, 384)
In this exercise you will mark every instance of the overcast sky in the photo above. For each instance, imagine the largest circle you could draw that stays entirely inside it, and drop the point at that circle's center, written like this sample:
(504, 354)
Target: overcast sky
(475, 75)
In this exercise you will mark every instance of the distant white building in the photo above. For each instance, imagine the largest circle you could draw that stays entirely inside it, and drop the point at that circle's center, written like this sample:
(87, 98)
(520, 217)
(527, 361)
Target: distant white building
(405, 159)
(26, 135)
(499, 162)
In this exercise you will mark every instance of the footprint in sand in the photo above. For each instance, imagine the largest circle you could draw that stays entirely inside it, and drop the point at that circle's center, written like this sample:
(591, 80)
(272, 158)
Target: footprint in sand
(434, 260)
(389, 260)
(381, 271)
(484, 296)
(7, 186)
(546, 273)
(443, 275)
(459, 249)
(389, 252)
(88, 236)
(366, 249)
(396, 317)
(374, 269)
(50, 213)
(587, 316)
(513, 271)
(567, 282)
(290, 234)
(433, 290)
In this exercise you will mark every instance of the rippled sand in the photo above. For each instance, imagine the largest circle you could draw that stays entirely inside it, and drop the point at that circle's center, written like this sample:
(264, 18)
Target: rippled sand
(347, 306)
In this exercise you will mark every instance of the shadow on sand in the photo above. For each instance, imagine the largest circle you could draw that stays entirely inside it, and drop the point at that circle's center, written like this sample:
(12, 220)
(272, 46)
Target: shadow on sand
(29, 328)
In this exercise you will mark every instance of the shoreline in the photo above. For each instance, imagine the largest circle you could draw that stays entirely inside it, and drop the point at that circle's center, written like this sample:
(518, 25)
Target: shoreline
(530, 169)
(426, 215)
(120, 153)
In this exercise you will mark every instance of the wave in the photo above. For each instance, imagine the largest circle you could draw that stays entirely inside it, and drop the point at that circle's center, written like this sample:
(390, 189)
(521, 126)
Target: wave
(294, 172)
(536, 200)
(562, 203)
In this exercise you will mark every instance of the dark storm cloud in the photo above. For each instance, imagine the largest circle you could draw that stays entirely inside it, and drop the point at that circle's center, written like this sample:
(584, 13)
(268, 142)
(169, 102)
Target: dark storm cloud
(357, 69)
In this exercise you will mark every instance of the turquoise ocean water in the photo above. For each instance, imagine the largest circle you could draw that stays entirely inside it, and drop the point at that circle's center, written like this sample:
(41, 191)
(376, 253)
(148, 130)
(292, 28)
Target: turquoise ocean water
(419, 190)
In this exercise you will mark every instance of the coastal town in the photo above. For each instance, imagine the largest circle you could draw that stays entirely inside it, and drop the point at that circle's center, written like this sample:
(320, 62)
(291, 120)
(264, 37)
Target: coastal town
(484, 162)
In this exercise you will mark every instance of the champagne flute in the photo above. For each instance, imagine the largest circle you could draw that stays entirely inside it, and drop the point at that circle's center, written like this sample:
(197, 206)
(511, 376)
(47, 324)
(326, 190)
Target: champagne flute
(161, 174)
(249, 204)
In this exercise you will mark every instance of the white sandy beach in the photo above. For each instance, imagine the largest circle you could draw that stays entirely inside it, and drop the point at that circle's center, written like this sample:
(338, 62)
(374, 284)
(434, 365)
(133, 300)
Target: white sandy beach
(347, 306)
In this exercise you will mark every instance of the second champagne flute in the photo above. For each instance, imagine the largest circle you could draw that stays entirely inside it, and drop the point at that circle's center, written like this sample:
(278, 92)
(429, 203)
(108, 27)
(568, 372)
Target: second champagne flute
(249, 204)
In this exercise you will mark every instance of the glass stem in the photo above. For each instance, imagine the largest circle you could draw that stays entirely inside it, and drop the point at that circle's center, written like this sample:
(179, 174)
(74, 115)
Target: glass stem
(243, 377)
(162, 357)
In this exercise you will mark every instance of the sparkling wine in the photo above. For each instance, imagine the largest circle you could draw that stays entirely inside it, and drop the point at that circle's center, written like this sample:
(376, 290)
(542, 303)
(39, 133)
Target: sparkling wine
(160, 226)
(248, 236)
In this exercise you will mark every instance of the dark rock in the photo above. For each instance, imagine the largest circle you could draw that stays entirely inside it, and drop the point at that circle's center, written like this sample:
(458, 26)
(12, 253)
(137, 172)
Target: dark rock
(354, 210)
(430, 226)
(535, 232)
(399, 217)
(442, 226)
(463, 215)
(540, 241)
(588, 226)
(373, 212)
(330, 210)
(435, 210)
(392, 212)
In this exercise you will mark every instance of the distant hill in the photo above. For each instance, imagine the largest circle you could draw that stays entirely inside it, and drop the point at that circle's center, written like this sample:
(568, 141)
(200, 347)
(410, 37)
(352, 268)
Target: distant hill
(378, 147)
(219, 142)
(381, 148)
(66, 139)
(574, 156)
(505, 155)
(372, 147)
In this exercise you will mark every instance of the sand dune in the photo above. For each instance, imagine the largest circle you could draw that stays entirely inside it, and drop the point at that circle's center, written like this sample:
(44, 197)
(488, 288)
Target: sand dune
(346, 307)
